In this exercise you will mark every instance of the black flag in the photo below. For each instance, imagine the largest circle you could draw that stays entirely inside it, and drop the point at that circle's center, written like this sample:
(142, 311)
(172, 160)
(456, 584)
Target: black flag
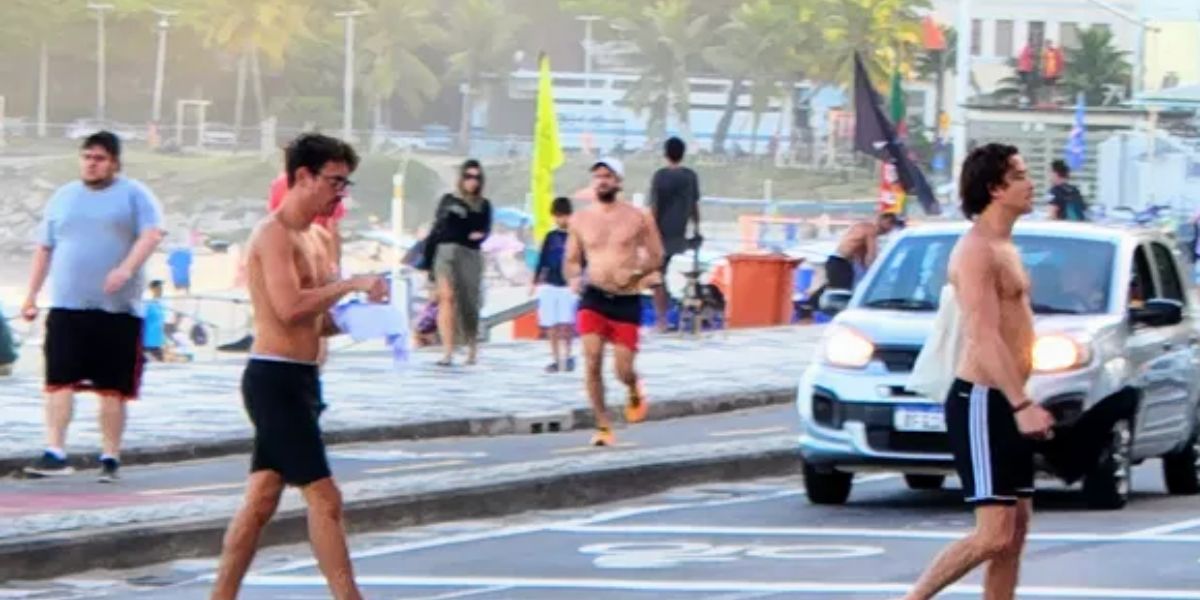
(875, 135)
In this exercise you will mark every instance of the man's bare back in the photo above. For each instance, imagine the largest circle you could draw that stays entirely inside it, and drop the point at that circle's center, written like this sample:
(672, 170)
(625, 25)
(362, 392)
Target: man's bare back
(856, 244)
(620, 245)
(980, 262)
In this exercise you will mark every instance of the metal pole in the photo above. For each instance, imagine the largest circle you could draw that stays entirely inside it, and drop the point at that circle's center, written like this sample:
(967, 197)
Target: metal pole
(161, 63)
(43, 88)
(962, 86)
(100, 58)
(348, 77)
(1139, 58)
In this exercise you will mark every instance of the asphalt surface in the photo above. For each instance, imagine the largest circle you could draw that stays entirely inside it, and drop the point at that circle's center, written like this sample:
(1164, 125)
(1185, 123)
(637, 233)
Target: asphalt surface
(142, 485)
(723, 541)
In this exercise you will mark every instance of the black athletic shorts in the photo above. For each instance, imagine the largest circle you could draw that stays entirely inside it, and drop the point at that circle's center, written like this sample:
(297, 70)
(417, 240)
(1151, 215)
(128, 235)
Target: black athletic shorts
(283, 400)
(94, 350)
(994, 461)
(839, 273)
(621, 308)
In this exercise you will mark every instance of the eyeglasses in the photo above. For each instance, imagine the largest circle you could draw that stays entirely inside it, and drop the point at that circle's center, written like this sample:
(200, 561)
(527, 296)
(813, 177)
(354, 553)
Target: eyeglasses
(338, 182)
(472, 177)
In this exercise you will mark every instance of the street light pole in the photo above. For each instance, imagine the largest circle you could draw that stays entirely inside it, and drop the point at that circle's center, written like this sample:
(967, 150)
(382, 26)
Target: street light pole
(962, 86)
(100, 48)
(348, 78)
(161, 62)
(1139, 49)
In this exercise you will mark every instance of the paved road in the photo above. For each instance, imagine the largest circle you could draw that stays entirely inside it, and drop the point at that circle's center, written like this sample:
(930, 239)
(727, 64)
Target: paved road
(723, 541)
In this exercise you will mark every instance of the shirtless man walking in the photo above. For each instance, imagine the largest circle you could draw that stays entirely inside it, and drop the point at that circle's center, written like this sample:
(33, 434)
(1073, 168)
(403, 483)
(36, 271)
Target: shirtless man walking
(991, 420)
(621, 248)
(857, 249)
(292, 293)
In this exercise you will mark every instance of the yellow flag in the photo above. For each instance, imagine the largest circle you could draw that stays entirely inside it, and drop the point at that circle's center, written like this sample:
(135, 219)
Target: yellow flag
(547, 153)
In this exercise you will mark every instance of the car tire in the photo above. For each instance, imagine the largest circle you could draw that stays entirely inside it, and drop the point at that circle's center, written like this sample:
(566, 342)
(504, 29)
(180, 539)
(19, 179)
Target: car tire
(1107, 486)
(828, 486)
(1181, 469)
(925, 482)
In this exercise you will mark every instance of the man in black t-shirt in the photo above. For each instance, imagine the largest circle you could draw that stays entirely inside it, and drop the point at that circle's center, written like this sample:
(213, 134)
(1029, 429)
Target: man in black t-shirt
(674, 201)
(1065, 200)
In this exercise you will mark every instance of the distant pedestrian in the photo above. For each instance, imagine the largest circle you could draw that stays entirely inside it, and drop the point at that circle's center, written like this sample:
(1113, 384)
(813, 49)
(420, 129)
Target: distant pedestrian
(856, 251)
(179, 261)
(557, 301)
(674, 202)
(1066, 202)
(464, 222)
(8, 346)
(93, 241)
(154, 324)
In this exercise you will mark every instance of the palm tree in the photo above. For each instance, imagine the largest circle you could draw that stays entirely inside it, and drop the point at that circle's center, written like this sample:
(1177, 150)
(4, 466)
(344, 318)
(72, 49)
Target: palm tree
(934, 64)
(755, 47)
(28, 23)
(483, 36)
(886, 33)
(1095, 65)
(396, 33)
(247, 29)
(670, 38)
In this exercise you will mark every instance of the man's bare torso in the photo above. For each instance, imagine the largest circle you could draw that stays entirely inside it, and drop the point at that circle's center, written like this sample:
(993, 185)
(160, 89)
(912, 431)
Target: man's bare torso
(1016, 315)
(272, 337)
(612, 237)
(855, 243)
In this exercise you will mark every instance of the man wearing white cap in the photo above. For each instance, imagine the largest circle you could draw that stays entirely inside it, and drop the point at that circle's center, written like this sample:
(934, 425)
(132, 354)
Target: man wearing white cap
(621, 247)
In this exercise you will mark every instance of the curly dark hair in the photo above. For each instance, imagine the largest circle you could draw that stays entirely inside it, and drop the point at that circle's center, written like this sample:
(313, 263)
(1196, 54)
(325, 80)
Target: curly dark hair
(983, 172)
(312, 151)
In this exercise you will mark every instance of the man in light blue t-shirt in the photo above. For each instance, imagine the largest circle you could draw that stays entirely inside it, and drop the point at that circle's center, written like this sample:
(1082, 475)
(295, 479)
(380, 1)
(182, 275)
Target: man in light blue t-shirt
(93, 241)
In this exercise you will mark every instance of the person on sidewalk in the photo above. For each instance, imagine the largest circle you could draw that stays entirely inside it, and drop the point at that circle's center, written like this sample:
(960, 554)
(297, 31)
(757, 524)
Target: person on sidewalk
(621, 247)
(1066, 201)
(557, 302)
(93, 241)
(856, 251)
(992, 423)
(674, 202)
(464, 222)
(281, 385)
(154, 324)
(8, 346)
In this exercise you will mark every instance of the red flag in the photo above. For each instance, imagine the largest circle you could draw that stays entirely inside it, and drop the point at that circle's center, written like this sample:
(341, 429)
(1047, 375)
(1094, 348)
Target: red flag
(934, 39)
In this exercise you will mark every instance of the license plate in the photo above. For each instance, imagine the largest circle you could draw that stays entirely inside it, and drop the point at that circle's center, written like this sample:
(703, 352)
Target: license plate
(923, 419)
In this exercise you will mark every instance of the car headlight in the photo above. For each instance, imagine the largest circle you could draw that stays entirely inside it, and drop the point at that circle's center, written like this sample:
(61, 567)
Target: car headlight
(848, 348)
(1053, 353)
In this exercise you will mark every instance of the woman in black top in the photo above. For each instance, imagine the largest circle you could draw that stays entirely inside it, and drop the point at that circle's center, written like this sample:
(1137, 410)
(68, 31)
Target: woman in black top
(464, 221)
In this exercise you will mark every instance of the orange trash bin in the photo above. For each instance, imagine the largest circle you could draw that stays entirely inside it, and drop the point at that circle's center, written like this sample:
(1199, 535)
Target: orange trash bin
(760, 290)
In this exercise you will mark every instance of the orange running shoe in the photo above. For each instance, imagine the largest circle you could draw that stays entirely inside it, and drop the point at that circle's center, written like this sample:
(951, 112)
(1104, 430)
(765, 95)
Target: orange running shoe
(604, 438)
(636, 409)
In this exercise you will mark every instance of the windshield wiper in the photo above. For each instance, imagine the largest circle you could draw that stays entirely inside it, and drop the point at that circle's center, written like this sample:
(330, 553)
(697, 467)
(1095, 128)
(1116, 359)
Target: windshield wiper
(1046, 309)
(901, 304)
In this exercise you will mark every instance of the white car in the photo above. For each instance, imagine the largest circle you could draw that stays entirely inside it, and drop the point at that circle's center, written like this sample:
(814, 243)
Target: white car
(1113, 316)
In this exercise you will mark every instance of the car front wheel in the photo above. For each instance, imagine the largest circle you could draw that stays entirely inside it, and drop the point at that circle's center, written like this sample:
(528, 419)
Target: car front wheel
(828, 486)
(1181, 469)
(925, 482)
(1107, 486)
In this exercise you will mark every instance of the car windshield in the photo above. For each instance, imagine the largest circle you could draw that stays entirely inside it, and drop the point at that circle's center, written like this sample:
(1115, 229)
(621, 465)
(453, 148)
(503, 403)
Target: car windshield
(1068, 275)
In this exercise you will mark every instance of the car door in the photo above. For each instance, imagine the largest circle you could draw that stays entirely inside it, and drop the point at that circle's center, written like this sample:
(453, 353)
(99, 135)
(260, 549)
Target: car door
(1179, 350)
(1152, 375)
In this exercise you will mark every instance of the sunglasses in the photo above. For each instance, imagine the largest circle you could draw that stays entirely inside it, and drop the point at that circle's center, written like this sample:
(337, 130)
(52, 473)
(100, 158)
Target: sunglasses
(472, 177)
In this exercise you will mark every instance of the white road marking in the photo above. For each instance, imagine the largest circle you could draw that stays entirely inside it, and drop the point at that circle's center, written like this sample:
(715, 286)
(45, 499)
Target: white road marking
(415, 467)
(838, 532)
(466, 593)
(216, 487)
(747, 432)
(1167, 528)
(669, 554)
(586, 449)
(691, 585)
(395, 455)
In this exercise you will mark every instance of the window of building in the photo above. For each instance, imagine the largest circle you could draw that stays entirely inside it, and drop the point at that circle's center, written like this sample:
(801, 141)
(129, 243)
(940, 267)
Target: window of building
(976, 37)
(1004, 38)
(1068, 35)
(1037, 33)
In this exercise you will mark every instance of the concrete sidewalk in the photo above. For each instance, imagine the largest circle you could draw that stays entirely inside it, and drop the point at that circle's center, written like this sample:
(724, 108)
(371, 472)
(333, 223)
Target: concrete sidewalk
(195, 410)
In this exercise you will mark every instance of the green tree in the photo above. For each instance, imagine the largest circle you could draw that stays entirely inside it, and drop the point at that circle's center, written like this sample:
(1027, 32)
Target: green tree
(886, 33)
(35, 23)
(670, 38)
(1095, 65)
(755, 51)
(483, 36)
(396, 33)
(934, 64)
(247, 29)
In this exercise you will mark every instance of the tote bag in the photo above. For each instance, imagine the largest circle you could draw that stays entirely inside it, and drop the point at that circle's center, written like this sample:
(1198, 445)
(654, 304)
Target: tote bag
(934, 371)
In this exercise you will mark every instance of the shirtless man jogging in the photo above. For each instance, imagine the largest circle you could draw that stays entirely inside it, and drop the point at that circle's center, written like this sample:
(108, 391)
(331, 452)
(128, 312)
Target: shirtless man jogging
(291, 293)
(991, 420)
(858, 248)
(621, 247)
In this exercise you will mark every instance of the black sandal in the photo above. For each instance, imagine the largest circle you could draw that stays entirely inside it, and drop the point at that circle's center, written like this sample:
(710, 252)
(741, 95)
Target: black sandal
(445, 362)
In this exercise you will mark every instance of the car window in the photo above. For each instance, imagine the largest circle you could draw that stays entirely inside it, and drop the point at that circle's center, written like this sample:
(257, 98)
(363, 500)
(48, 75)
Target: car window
(1168, 276)
(1141, 281)
(1068, 276)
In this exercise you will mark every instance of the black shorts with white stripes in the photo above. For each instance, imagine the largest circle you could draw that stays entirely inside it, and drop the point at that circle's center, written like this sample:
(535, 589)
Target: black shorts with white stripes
(994, 461)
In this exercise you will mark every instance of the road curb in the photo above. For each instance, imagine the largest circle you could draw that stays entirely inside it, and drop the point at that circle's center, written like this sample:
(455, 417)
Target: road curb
(53, 555)
(470, 427)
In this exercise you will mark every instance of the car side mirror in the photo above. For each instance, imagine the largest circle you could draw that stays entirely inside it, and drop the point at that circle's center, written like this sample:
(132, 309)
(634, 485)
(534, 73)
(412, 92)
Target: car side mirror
(1157, 313)
(835, 301)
